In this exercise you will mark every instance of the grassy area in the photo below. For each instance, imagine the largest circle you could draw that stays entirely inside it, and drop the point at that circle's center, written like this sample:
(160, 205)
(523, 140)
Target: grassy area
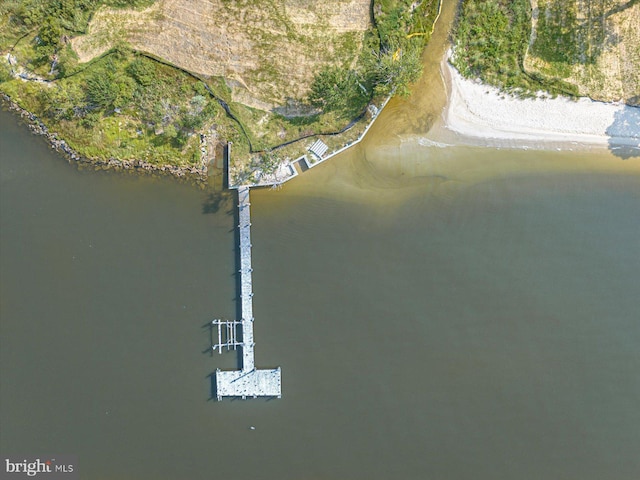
(123, 106)
(570, 47)
(491, 40)
(594, 44)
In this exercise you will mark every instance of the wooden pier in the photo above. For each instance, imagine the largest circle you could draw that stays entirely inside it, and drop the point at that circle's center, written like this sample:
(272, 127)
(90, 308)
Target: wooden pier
(248, 381)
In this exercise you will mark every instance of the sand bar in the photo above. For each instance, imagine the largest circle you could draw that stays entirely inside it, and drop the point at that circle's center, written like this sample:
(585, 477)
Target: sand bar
(480, 111)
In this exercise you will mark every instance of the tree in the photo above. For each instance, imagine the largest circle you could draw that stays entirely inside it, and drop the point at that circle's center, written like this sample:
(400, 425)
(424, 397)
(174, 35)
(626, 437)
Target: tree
(50, 33)
(108, 88)
(170, 131)
(102, 91)
(396, 70)
(337, 89)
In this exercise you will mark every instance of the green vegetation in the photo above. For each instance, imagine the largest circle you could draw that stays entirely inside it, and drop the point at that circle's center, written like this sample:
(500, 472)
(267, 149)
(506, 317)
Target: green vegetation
(5, 72)
(557, 40)
(589, 47)
(111, 110)
(390, 60)
(564, 38)
(52, 19)
(594, 44)
(39, 30)
(120, 105)
(402, 27)
(128, 105)
(491, 40)
(338, 89)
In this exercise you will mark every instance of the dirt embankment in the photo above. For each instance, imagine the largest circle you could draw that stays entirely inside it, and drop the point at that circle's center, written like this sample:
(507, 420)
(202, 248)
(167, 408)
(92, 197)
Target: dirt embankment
(267, 51)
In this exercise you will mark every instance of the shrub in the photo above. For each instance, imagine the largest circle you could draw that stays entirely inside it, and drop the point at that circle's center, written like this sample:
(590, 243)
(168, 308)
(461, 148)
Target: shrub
(143, 71)
(337, 89)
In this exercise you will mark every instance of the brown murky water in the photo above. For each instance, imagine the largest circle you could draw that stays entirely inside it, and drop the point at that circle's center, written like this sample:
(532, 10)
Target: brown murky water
(458, 313)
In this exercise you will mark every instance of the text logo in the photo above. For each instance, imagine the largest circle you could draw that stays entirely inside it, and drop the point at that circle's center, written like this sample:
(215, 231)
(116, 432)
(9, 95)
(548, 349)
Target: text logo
(48, 467)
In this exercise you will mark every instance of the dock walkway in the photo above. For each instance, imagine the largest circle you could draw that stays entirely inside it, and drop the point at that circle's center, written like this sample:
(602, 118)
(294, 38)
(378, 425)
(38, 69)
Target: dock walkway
(246, 280)
(247, 382)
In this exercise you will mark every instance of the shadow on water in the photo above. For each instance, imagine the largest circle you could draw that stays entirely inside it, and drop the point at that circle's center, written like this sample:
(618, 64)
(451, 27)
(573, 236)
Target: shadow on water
(303, 166)
(238, 277)
(236, 252)
(625, 127)
(214, 390)
(215, 201)
(208, 327)
(221, 197)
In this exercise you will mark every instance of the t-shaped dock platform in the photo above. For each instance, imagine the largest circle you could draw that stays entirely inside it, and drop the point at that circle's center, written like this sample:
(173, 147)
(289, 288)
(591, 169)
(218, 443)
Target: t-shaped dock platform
(248, 381)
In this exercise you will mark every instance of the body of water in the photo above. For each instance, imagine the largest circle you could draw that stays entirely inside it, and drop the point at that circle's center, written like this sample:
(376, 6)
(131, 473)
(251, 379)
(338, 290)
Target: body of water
(438, 312)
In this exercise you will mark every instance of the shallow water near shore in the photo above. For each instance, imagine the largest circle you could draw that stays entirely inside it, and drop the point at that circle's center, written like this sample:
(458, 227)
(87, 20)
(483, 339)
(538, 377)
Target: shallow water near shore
(438, 312)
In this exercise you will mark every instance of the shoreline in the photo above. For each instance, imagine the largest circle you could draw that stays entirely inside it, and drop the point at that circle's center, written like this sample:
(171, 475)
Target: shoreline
(35, 125)
(475, 111)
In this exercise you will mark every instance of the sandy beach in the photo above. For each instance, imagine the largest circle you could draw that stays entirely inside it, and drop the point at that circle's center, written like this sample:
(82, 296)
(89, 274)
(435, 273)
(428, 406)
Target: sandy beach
(479, 111)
